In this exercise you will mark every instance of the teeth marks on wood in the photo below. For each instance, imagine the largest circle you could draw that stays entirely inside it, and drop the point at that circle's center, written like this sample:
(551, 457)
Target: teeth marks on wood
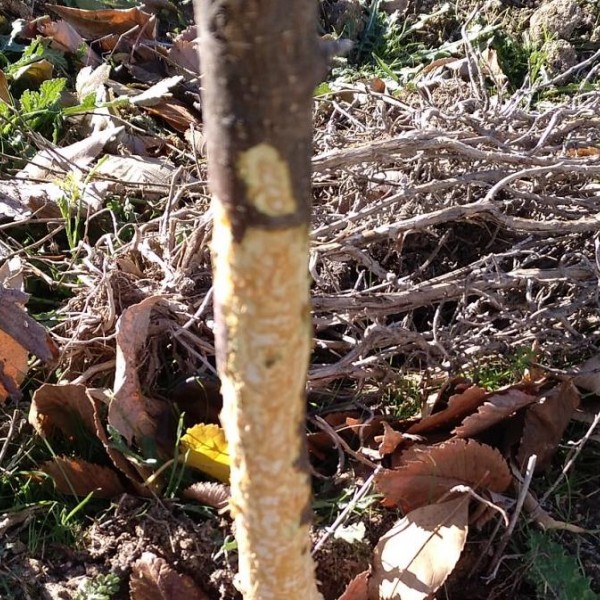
(267, 179)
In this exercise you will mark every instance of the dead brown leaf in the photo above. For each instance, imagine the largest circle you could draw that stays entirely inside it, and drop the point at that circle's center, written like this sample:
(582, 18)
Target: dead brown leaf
(78, 477)
(459, 406)
(390, 439)
(438, 401)
(588, 375)
(184, 53)
(135, 473)
(358, 588)
(65, 38)
(130, 412)
(209, 493)
(152, 578)
(545, 424)
(35, 73)
(22, 328)
(430, 472)
(54, 162)
(19, 335)
(13, 366)
(65, 408)
(4, 91)
(414, 558)
(495, 409)
(175, 113)
(94, 24)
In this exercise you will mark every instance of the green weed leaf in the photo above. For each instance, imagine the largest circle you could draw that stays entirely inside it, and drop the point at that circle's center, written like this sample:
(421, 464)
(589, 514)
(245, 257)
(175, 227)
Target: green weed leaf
(554, 572)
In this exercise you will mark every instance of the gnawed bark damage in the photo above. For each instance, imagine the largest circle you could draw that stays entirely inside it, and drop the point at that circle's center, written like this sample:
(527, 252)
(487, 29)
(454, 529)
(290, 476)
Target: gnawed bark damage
(260, 62)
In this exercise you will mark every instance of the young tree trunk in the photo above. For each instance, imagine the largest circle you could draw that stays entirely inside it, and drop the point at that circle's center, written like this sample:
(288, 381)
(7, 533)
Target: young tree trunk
(260, 62)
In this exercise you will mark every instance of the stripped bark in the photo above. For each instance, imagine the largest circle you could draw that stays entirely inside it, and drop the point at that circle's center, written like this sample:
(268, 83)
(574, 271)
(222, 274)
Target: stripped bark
(260, 62)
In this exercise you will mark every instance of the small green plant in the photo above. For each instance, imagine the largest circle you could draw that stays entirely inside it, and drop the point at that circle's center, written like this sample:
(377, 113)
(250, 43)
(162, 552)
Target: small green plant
(70, 208)
(520, 61)
(513, 57)
(37, 111)
(56, 524)
(554, 572)
(41, 109)
(178, 468)
(102, 587)
(38, 49)
(397, 47)
(46, 516)
(229, 545)
(327, 508)
(403, 398)
(505, 370)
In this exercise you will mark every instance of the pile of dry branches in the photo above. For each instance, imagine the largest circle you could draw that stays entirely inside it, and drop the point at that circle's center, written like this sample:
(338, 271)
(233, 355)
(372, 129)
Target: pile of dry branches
(453, 227)
(449, 226)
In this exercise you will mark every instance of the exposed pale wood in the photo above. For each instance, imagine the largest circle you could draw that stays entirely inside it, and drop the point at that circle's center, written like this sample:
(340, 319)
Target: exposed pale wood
(260, 62)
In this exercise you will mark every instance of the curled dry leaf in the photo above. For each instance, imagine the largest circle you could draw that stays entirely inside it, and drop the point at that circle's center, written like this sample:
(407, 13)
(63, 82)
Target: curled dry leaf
(22, 328)
(495, 409)
(459, 406)
(588, 375)
(4, 91)
(12, 519)
(64, 38)
(13, 366)
(209, 492)
(152, 175)
(183, 54)
(358, 588)
(390, 439)
(414, 558)
(175, 113)
(65, 408)
(78, 477)
(136, 474)
(545, 424)
(432, 471)
(130, 412)
(152, 578)
(94, 24)
(19, 335)
(438, 401)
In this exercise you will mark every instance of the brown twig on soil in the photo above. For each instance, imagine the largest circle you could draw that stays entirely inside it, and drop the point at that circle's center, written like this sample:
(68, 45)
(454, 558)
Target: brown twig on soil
(523, 489)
